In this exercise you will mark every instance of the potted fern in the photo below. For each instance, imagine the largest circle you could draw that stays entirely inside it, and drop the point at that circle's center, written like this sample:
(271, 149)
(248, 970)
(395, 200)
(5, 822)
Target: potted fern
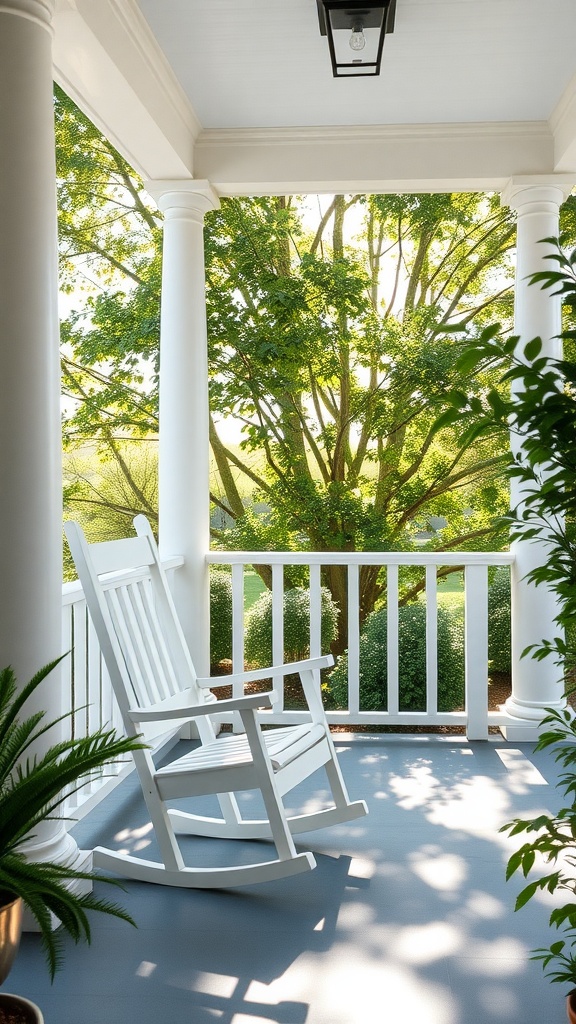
(32, 788)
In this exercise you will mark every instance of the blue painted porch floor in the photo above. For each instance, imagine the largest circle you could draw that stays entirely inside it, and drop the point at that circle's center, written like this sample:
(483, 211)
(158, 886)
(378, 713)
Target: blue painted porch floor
(407, 917)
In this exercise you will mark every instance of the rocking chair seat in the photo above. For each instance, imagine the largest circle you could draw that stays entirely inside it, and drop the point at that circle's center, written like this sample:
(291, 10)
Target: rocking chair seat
(228, 751)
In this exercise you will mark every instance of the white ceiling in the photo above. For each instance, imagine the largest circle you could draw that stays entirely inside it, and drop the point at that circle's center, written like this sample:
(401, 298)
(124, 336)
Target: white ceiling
(263, 63)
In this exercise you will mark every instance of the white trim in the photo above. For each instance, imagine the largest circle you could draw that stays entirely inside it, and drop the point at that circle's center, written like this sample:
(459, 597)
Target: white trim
(563, 126)
(108, 61)
(131, 17)
(376, 158)
(456, 558)
(336, 135)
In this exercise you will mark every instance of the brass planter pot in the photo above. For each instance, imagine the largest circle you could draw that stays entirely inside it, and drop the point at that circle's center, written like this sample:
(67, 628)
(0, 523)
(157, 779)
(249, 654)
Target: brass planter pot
(10, 930)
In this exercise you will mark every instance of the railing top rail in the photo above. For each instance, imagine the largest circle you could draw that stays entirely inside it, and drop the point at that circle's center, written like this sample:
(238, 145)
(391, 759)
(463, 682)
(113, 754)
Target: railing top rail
(455, 558)
(72, 592)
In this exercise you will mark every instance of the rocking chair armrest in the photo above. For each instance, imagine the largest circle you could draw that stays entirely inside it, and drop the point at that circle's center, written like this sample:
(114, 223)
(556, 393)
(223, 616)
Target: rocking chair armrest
(213, 682)
(158, 713)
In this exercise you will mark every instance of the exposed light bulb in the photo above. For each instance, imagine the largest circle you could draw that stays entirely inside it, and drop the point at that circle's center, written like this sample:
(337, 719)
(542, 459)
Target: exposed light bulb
(357, 39)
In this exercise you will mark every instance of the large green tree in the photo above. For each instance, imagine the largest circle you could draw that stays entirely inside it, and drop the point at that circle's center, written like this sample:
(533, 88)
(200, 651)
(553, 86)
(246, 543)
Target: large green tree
(336, 358)
(330, 349)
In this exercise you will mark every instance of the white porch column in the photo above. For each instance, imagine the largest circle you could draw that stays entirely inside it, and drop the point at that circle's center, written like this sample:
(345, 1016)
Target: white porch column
(184, 459)
(535, 684)
(30, 445)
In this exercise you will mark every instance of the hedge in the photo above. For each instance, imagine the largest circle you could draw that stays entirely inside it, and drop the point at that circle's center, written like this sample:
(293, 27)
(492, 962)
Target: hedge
(258, 626)
(220, 615)
(412, 662)
(499, 622)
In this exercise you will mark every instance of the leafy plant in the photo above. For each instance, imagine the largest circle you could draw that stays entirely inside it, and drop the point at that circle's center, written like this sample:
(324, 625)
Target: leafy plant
(555, 842)
(499, 624)
(220, 615)
(32, 788)
(542, 417)
(412, 661)
(258, 645)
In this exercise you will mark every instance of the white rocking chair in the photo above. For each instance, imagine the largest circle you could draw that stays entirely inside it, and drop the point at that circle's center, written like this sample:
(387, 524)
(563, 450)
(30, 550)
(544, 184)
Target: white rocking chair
(154, 681)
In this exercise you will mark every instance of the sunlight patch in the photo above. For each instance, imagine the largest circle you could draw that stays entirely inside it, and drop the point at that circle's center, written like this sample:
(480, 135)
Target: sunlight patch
(520, 767)
(145, 969)
(361, 867)
(423, 944)
(416, 789)
(133, 833)
(445, 872)
(496, 958)
(486, 906)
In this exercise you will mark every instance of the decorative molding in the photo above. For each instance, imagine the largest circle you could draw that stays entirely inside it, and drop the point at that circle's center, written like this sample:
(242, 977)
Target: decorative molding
(336, 135)
(194, 194)
(563, 127)
(527, 189)
(38, 11)
(375, 158)
(131, 17)
(564, 107)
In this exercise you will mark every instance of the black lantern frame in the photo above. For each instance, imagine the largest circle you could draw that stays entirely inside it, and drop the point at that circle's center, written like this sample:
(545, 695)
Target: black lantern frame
(335, 15)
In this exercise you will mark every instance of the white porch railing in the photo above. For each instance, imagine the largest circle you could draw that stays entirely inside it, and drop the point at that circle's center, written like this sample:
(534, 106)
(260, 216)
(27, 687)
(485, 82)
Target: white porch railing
(475, 716)
(88, 693)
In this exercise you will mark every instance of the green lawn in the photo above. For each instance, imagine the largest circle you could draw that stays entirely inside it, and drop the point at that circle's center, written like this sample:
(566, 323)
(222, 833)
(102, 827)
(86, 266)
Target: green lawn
(253, 587)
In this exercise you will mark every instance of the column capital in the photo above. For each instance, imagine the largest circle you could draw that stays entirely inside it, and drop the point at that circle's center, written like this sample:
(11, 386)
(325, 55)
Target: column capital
(525, 189)
(40, 11)
(188, 195)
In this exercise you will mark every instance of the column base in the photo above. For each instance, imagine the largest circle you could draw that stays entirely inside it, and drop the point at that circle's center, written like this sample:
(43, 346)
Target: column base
(524, 720)
(68, 854)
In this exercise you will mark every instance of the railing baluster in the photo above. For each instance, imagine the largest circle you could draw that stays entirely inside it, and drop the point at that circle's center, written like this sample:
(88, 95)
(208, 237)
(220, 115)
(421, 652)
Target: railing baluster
(237, 623)
(431, 640)
(66, 669)
(353, 639)
(476, 650)
(315, 612)
(392, 668)
(237, 634)
(278, 630)
(79, 718)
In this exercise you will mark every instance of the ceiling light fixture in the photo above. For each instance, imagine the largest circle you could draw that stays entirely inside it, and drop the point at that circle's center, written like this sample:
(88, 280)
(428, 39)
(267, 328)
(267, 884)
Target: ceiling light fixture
(357, 26)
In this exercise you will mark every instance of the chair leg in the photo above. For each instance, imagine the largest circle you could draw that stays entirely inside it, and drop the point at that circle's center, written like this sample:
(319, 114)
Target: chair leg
(281, 835)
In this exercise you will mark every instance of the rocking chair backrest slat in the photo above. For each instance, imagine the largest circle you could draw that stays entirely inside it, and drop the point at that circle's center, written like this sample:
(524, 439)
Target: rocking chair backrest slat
(135, 620)
(147, 658)
(167, 681)
(117, 555)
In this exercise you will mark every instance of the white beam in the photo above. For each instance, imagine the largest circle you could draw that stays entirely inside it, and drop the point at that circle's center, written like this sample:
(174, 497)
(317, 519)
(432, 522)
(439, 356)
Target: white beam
(108, 61)
(381, 159)
(563, 127)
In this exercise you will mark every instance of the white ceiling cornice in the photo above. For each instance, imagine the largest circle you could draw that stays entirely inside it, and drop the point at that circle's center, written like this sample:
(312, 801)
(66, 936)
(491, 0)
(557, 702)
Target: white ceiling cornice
(378, 134)
(108, 61)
